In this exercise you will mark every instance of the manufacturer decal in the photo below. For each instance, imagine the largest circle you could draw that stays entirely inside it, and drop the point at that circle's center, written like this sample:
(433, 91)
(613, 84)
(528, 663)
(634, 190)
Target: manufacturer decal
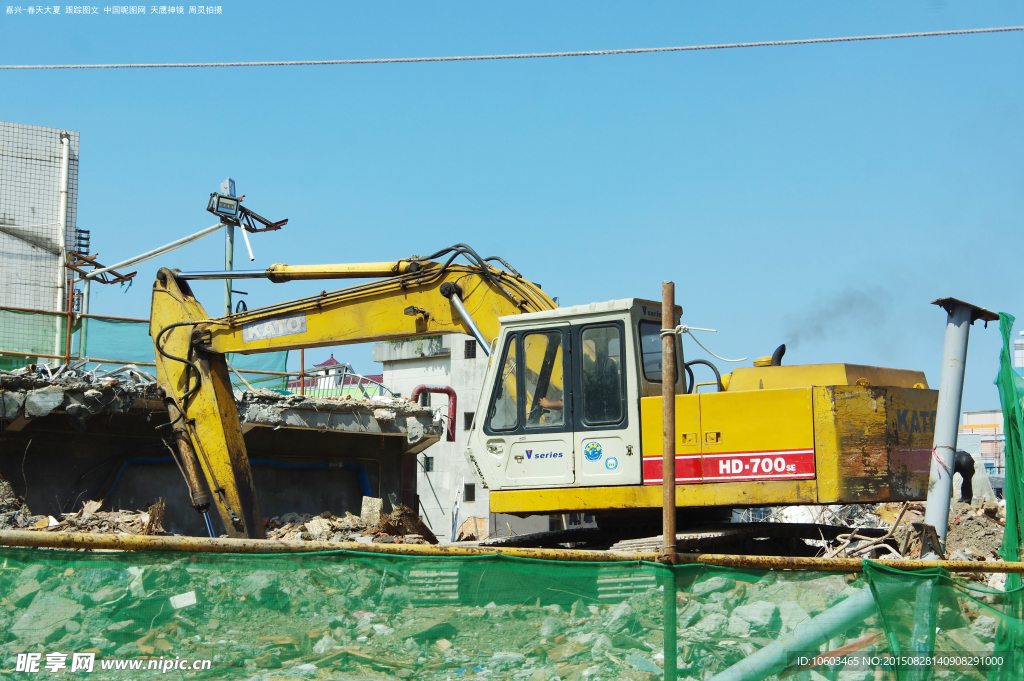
(592, 452)
(274, 328)
(611, 463)
(545, 455)
(651, 311)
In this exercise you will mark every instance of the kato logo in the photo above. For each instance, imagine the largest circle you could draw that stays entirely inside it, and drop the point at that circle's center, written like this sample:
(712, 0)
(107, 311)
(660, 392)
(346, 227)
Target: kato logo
(274, 328)
(592, 452)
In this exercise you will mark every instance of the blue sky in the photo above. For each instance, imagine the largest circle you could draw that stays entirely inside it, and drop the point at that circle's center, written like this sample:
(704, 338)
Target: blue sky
(819, 196)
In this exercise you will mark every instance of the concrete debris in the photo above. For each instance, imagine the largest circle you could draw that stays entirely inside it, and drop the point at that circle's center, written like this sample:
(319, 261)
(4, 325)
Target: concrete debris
(92, 520)
(270, 409)
(399, 527)
(404, 522)
(370, 512)
(35, 391)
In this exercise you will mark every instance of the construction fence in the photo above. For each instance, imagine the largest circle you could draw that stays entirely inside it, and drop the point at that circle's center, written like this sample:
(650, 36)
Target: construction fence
(353, 615)
(30, 337)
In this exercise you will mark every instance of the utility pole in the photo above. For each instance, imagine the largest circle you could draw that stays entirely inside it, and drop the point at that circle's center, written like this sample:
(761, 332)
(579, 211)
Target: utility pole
(227, 187)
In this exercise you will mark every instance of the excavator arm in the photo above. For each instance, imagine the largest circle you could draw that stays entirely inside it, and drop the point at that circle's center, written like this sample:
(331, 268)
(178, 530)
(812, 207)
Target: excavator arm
(416, 297)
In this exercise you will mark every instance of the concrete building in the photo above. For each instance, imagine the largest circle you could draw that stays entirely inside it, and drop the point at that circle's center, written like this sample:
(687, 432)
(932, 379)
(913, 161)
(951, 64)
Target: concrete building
(449, 493)
(37, 228)
(981, 434)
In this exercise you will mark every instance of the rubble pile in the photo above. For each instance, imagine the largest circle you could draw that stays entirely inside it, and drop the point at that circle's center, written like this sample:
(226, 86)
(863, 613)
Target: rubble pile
(318, 617)
(36, 390)
(92, 520)
(14, 512)
(401, 526)
(976, 533)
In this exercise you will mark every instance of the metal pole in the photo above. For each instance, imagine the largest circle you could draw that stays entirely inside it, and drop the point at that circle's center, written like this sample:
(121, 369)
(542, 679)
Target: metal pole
(62, 232)
(84, 333)
(69, 322)
(806, 637)
(668, 420)
(229, 264)
(157, 251)
(947, 418)
(228, 187)
(302, 371)
(473, 328)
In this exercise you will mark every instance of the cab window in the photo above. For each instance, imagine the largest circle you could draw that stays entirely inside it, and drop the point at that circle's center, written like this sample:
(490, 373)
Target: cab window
(601, 375)
(504, 412)
(545, 383)
(650, 350)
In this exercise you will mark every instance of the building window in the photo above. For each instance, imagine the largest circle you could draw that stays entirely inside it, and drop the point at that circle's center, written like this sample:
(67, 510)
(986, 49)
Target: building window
(555, 523)
(470, 349)
(428, 464)
(424, 399)
(470, 493)
(467, 419)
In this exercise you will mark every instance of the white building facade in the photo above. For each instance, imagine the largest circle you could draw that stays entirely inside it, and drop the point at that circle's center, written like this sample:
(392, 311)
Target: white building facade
(32, 245)
(450, 496)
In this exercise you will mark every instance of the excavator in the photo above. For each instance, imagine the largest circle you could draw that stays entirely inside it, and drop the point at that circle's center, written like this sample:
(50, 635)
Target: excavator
(570, 416)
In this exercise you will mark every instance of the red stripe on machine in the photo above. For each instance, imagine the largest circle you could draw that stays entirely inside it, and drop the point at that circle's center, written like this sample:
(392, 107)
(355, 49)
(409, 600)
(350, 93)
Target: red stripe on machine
(688, 469)
(786, 464)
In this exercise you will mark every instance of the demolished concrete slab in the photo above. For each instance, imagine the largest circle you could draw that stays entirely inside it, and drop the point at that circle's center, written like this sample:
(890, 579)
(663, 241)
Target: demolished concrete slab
(98, 435)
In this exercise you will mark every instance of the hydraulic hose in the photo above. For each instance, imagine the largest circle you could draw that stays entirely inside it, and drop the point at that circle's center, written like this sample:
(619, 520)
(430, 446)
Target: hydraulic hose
(706, 363)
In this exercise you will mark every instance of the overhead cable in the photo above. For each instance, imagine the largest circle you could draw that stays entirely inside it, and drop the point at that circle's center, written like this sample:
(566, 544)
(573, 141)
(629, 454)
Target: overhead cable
(532, 55)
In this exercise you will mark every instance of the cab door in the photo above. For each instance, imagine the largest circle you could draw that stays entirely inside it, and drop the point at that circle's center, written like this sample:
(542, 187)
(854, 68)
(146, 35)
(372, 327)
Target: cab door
(605, 417)
(528, 431)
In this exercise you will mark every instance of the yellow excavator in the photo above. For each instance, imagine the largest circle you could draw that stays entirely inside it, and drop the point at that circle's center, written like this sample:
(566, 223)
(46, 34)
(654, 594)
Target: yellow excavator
(569, 419)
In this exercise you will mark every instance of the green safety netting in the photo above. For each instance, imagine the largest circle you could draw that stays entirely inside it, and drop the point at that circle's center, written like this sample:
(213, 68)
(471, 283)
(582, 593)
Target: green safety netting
(122, 342)
(266, 361)
(350, 615)
(110, 339)
(30, 333)
(1011, 394)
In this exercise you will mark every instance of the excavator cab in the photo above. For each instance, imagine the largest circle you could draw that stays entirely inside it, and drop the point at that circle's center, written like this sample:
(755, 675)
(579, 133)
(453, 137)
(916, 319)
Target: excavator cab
(561, 404)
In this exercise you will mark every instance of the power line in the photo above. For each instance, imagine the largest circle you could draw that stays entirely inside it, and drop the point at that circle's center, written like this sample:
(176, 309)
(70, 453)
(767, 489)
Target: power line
(536, 55)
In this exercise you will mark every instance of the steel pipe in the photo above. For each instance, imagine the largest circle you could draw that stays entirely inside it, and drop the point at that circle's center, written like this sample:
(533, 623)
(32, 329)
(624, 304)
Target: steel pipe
(808, 636)
(452, 403)
(947, 416)
(62, 234)
(668, 422)
(222, 274)
(460, 307)
(131, 542)
(157, 251)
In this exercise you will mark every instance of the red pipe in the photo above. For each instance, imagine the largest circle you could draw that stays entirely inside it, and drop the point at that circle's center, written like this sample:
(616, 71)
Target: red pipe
(450, 392)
